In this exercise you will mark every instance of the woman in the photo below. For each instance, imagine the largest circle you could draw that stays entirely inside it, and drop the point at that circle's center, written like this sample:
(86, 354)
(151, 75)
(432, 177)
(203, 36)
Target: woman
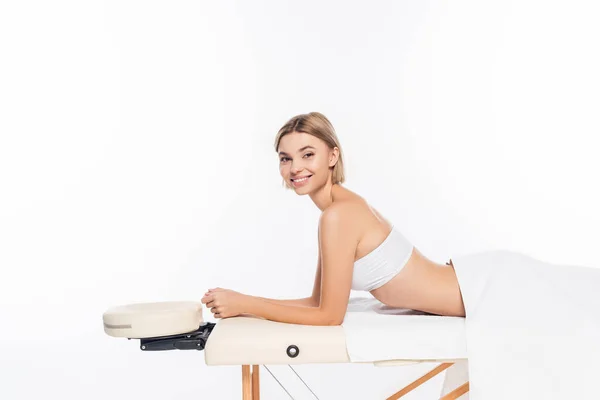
(358, 247)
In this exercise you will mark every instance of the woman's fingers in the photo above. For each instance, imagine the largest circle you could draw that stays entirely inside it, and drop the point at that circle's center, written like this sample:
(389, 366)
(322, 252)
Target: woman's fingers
(217, 311)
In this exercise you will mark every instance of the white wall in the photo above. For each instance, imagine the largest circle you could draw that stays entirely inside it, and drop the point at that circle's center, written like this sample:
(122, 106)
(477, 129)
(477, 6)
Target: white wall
(137, 163)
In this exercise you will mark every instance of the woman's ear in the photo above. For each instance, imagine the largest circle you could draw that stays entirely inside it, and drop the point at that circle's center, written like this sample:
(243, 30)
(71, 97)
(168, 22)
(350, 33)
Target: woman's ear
(334, 156)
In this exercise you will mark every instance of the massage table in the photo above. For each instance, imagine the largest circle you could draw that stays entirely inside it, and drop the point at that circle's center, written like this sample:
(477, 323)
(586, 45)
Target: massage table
(247, 341)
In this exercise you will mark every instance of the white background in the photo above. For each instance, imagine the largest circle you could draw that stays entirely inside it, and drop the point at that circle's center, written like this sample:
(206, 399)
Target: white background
(137, 163)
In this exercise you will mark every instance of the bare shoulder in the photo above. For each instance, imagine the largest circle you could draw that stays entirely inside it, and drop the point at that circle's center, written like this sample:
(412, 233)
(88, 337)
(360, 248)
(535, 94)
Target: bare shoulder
(341, 212)
(345, 218)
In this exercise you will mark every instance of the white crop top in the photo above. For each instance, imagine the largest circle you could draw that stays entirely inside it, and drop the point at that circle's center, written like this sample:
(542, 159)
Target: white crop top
(382, 264)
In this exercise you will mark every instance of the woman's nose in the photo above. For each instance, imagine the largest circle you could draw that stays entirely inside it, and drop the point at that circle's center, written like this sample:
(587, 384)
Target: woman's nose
(296, 168)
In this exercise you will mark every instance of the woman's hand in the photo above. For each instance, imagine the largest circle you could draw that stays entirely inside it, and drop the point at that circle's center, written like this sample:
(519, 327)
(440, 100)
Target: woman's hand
(224, 303)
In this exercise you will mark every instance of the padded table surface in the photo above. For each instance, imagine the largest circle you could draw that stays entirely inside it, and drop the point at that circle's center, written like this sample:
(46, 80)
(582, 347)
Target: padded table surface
(394, 335)
(249, 340)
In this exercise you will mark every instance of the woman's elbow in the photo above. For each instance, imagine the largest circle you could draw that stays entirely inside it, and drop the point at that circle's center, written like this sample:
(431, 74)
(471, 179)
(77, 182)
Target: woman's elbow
(328, 319)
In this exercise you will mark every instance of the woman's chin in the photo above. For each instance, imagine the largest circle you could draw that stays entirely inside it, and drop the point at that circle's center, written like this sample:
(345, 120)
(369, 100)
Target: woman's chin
(303, 190)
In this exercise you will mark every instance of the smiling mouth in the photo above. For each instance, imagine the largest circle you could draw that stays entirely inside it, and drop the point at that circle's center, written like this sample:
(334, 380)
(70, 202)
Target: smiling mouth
(300, 180)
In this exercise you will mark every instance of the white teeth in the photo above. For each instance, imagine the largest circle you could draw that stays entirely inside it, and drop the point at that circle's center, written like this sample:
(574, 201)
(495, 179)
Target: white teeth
(301, 179)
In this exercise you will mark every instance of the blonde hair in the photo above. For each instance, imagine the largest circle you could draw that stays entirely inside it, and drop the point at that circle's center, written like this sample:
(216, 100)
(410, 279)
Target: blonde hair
(317, 125)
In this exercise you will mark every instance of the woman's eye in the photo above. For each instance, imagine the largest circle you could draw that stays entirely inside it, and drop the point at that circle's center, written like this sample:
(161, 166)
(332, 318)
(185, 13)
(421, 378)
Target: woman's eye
(284, 159)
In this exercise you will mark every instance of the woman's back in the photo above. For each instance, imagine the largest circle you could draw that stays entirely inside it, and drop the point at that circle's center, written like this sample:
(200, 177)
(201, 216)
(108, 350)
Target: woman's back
(416, 282)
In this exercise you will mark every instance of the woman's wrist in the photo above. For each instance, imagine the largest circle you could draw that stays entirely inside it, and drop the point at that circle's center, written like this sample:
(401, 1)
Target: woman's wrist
(250, 304)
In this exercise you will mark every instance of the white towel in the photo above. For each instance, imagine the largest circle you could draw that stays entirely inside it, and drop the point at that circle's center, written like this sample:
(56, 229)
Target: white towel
(375, 332)
(533, 328)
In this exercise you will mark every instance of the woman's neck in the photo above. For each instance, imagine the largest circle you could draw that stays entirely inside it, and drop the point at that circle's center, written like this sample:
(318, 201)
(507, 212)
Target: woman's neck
(325, 196)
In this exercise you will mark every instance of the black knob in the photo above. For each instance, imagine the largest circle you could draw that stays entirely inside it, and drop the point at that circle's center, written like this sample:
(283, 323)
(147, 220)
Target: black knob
(292, 351)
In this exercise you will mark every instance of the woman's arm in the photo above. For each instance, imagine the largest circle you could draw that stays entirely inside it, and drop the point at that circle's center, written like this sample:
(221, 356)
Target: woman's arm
(337, 245)
(304, 302)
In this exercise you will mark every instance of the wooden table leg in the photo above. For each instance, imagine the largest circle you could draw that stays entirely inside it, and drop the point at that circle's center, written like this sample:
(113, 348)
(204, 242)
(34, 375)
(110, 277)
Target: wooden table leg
(246, 383)
(410, 387)
(456, 393)
(255, 383)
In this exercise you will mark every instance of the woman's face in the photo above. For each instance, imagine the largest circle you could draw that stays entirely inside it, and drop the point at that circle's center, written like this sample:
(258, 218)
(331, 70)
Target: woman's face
(304, 161)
